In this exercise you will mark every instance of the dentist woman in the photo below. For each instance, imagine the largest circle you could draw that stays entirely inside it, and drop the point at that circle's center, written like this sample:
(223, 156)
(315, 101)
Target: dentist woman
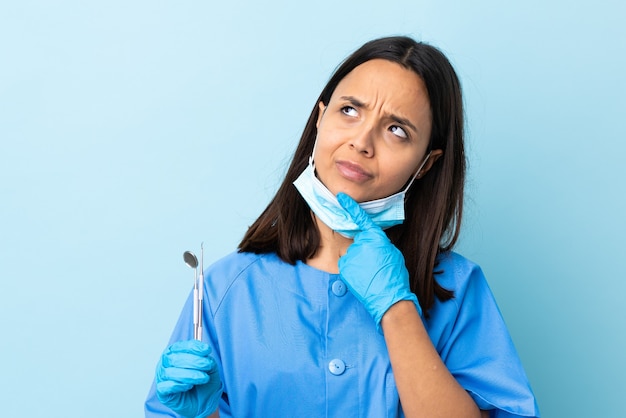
(345, 298)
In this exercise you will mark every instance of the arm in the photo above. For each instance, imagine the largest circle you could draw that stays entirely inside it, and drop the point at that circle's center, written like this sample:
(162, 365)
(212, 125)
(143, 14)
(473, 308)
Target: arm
(374, 271)
(425, 386)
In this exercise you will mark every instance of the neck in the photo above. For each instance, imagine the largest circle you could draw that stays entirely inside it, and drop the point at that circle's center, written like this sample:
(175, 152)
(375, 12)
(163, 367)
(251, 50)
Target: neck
(332, 246)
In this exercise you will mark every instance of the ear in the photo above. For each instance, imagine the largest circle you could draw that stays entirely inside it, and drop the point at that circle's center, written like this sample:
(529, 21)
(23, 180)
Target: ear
(322, 109)
(434, 156)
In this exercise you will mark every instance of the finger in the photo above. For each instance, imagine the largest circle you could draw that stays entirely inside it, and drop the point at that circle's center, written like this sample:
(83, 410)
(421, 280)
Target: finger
(168, 387)
(358, 215)
(196, 347)
(188, 361)
(183, 376)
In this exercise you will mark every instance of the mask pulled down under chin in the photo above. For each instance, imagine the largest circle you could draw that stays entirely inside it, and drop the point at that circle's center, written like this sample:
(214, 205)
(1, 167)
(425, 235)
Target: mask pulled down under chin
(385, 212)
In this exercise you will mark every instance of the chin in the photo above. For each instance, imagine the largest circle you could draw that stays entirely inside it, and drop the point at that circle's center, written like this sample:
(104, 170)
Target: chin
(358, 197)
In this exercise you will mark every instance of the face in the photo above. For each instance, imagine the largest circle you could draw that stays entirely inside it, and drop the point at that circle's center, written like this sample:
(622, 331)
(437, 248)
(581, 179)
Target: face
(373, 134)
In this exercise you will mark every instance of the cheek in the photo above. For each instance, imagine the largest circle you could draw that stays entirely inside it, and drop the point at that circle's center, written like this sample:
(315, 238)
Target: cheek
(399, 173)
(325, 143)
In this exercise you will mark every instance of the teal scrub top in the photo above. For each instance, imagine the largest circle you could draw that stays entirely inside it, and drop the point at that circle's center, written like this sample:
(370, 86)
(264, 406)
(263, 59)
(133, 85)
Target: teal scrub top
(292, 341)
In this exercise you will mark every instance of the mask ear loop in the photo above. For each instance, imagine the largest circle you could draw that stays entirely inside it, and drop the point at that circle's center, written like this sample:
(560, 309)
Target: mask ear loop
(311, 160)
(419, 170)
(313, 152)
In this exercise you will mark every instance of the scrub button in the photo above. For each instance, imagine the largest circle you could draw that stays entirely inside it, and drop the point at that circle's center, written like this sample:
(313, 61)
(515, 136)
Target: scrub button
(339, 288)
(337, 367)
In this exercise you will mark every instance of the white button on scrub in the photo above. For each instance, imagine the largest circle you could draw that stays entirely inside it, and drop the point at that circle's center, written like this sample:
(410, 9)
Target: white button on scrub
(337, 367)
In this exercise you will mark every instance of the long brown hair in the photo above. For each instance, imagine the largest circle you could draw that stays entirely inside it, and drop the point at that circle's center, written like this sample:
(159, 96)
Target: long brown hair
(434, 203)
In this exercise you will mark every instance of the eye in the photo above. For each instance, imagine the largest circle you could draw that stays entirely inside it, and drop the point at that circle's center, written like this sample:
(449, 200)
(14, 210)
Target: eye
(398, 131)
(349, 111)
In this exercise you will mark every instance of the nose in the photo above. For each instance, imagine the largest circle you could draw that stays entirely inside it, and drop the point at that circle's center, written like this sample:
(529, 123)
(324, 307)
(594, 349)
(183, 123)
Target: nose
(363, 141)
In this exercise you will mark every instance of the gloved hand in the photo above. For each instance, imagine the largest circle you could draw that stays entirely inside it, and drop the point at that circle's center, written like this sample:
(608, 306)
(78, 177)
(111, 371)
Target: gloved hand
(187, 379)
(373, 268)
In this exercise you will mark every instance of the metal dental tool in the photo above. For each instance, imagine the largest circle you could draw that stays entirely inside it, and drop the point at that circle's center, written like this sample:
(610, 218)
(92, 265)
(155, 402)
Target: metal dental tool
(200, 292)
(192, 261)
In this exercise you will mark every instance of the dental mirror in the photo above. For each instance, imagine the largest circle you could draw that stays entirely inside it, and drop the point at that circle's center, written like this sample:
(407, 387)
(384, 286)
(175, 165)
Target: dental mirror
(190, 259)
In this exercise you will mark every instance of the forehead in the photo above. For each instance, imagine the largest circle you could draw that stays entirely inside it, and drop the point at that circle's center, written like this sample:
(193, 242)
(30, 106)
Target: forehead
(384, 79)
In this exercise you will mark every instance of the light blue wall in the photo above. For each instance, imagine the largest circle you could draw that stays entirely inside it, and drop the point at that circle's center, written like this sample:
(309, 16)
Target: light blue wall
(132, 131)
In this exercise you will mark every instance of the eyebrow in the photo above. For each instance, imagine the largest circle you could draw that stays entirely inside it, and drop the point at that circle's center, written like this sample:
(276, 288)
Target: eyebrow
(398, 119)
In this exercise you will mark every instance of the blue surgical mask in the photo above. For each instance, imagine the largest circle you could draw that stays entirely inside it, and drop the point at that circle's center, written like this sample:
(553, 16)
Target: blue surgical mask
(385, 212)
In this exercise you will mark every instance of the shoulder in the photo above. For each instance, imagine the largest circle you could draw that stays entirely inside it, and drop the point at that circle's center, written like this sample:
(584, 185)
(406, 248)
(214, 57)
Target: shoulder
(233, 264)
(241, 271)
(220, 276)
(236, 265)
(455, 272)
(472, 300)
(472, 339)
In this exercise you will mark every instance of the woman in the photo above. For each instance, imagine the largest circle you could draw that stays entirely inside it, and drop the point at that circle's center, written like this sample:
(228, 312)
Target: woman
(320, 312)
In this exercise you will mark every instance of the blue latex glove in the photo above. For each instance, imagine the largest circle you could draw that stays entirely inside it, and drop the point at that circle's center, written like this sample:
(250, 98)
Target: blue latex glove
(373, 268)
(187, 379)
